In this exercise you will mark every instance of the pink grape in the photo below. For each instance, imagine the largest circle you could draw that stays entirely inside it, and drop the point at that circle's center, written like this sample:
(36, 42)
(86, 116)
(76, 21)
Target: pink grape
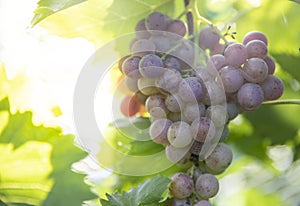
(141, 31)
(256, 48)
(220, 158)
(156, 21)
(181, 186)
(207, 186)
(250, 96)
(158, 131)
(271, 64)
(208, 38)
(151, 66)
(203, 203)
(203, 129)
(255, 35)
(255, 70)
(130, 67)
(177, 26)
(272, 87)
(236, 54)
(218, 61)
(232, 79)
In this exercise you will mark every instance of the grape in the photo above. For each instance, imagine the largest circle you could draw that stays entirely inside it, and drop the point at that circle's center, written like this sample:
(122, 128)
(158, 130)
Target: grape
(218, 114)
(130, 106)
(142, 47)
(232, 79)
(176, 202)
(173, 103)
(219, 49)
(190, 89)
(172, 63)
(132, 42)
(255, 70)
(220, 159)
(156, 21)
(169, 80)
(207, 186)
(203, 203)
(271, 64)
(272, 87)
(203, 73)
(232, 110)
(147, 86)
(191, 111)
(250, 96)
(236, 54)
(175, 154)
(130, 67)
(179, 134)
(121, 61)
(151, 66)
(162, 43)
(181, 186)
(202, 129)
(153, 101)
(177, 27)
(131, 84)
(158, 131)
(157, 113)
(185, 52)
(255, 35)
(141, 31)
(256, 48)
(214, 93)
(218, 61)
(208, 38)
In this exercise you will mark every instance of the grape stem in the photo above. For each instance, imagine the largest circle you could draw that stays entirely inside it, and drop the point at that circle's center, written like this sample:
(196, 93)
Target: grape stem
(284, 101)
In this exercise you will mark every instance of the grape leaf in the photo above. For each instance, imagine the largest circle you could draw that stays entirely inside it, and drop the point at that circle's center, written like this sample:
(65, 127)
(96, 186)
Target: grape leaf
(101, 21)
(49, 7)
(148, 193)
(283, 18)
(297, 1)
(288, 62)
(36, 163)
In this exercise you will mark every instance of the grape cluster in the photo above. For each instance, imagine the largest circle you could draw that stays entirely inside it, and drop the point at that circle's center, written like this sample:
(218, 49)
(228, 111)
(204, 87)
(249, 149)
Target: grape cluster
(190, 100)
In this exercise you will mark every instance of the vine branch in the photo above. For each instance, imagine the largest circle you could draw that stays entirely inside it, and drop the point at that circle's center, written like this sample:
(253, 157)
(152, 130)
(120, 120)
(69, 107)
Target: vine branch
(284, 101)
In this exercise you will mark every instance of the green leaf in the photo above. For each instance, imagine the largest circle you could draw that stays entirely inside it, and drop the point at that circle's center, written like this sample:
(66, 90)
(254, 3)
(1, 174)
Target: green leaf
(101, 21)
(49, 7)
(4, 104)
(36, 164)
(297, 1)
(269, 17)
(289, 63)
(148, 193)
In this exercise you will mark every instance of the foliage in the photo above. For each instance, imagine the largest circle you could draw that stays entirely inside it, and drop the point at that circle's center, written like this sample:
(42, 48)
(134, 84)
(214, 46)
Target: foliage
(36, 162)
(47, 8)
(149, 193)
(100, 21)
(297, 1)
